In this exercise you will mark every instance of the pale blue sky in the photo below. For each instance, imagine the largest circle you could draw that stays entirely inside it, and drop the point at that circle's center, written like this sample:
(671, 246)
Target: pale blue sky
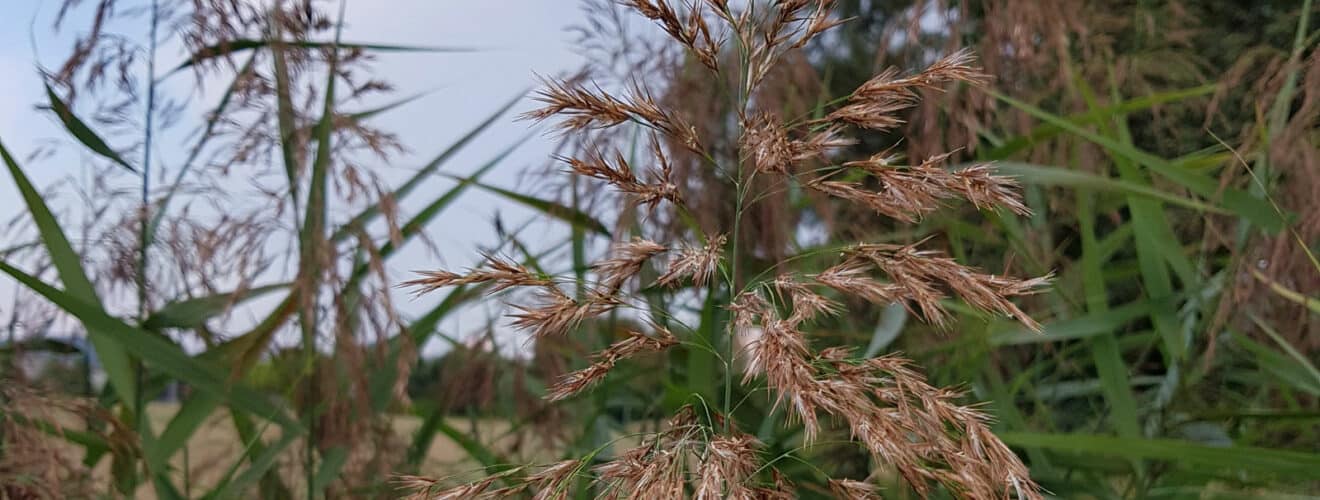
(523, 37)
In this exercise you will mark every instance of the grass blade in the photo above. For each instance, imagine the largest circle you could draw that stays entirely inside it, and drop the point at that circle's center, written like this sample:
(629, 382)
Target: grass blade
(208, 132)
(82, 132)
(261, 463)
(68, 264)
(1284, 368)
(1105, 351)
(190, 417)
(1296, 355)
(331, 463)
(193, 313)
(576, 218)
(244, 44)
(1054, 176)
(1080, 327)
(286, 119)
(155, 350)
(1095, 115)
(1239, 202)
(1264, 460)
(361, 220)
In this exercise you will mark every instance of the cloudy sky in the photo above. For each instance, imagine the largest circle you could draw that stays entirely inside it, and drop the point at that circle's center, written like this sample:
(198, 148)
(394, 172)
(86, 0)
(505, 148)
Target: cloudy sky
(519, 38)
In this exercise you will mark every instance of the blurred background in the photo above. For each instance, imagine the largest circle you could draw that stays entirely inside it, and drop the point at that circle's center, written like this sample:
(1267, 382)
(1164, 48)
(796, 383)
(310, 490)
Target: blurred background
(209, 206)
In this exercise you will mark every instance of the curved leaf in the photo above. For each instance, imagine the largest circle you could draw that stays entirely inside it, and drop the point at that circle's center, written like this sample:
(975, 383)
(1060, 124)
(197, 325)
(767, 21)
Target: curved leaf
(240, 45)
(1053, 176)
(67, 262)
(576, 218)
(156, 351)
(192, 313)
(361, 219)
(82, 132)
(1281, 462)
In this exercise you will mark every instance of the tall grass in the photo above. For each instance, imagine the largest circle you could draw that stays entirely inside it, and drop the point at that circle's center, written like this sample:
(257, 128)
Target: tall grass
(733, 315)
(144, 352)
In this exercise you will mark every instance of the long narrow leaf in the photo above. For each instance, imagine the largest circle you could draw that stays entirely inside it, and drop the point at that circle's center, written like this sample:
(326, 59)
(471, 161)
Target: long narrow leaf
(1053, 176)
(1104, 347)
(576, 218)
(68, 264)
(1086, 326)
(261, 463)
(156, 351)
(82, 132)
(192, 313)
(359, 221)
(190, 417)
(235, 46)
(1283, 463)
(1044, 132)
(1237, 201)
(208, 132)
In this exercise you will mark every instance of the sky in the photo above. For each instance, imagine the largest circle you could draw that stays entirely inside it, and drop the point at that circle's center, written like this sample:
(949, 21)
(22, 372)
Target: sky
(518, 38)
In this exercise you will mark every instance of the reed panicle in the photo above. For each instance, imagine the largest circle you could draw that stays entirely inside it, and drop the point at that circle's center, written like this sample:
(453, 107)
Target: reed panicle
(603, 361)
(918, 430)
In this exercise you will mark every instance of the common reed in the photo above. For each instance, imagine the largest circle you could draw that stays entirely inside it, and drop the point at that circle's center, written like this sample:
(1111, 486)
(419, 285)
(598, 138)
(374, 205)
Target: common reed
(908, 425)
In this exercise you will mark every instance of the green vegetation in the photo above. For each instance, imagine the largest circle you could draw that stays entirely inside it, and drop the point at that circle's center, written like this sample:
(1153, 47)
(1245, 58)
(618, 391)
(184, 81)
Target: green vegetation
(1167, 154)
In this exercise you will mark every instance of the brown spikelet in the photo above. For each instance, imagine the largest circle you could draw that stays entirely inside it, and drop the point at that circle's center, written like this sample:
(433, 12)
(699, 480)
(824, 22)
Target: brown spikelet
(627, 260)
(691, 30)
(875, 104)
(903, 421)
(698, 263)
(421, 488)
(652, 470)
(554, 482)
(979, 185)
(558, 313)
(852, 277)
(893, 202)
(916, 271)
(620, 175)
(499, 271)
(425, 488)
(914, 275)
(728, 463)
(849, 489)
(818, 22)
(807, 304)
(819, 144)
(583, 108)
(604, 361)
(909, 192)
(765, 142)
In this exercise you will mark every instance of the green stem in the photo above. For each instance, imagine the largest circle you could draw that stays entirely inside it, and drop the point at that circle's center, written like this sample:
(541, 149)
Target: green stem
(144, 236)
(740, 188)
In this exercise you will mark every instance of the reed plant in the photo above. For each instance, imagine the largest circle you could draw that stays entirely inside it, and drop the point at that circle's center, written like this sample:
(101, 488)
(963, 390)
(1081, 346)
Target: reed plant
(923, 433)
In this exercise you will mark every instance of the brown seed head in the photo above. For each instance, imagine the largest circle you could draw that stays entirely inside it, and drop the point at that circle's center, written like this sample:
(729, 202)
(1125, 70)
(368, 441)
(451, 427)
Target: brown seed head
(500, 271)
(698, 263)
(604, 361)
(558, 313)
(849, 489)
(626, 262)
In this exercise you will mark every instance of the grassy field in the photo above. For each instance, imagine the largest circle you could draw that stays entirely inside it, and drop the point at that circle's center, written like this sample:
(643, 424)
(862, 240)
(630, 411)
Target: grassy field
(215, 447)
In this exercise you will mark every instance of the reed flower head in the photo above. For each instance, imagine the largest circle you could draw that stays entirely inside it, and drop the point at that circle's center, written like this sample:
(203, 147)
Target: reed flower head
(883, 403)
